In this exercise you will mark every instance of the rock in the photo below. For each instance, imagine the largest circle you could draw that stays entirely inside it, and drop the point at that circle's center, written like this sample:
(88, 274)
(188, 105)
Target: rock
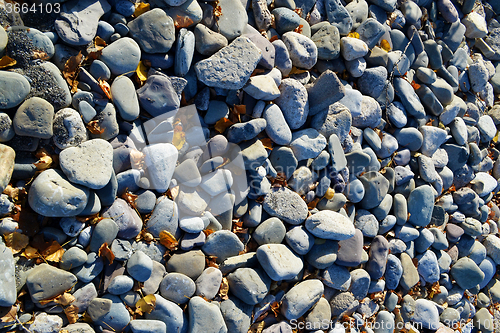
(46, 323)
(330, 225)
(78, 22)
(466, 273)
(237, 315)
(419, 201)
(379, 250)
(475, 25)
(117, 317)
(125, 217)
(45, 281)
(208, 41)
(154, 31)
(338, 16)
(376, 187)
(154, 102)
(262, 87)
(147, 326)
(277, 129)
(426, 314)
(327, 40)
(125, 98)
(222, 244)
(286, 205)
(301, 298)
(307, 143)
(160, 162)
(51, 194)
(249, 285)
(169, 313)
(177, 287)
(410, 277)
(69, 130)
(10, 97)
(208, 283)
(140, 266)
(233, 19)
(216, 71)
(302, 50)
(352, 48)
(122, 56)
(205, 317)
(293, 102)
(271, 231)
(319, 100)
(8, 294)
(34, 118)
(7, 161)
(279, 262)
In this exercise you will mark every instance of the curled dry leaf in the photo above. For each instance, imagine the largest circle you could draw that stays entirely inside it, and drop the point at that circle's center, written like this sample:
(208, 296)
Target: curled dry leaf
(105, 252)
(71, 70)
(8, 315)
(224, 289)
(65, 299)
(168, 240)
(7, 61)
(145, 304)
(16, 241)
(141, 8)
(53, 252)
(267, 143)
(12, 192)
(142, 72)
(71, 313)
(257, 327)
(130, 198)
(105, 88)
(43, 163)
(30, 253)
(94, 127)
(222, 125)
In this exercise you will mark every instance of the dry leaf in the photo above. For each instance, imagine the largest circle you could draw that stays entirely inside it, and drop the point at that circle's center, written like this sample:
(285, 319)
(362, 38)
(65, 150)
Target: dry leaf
(222, 125)
(53, 253)
(267, 143)
(224, 289)
(16, 241)
(142, 72)
(257, 327)
(71, 69)
(94, 127)
(168, 240)
(145, 304)
(353, 34)
(240, 109)
(299, 29)
(71, 313)
(137, 159)
(43, 163)
(105, 88)
(65, 299)
(208, 232)
(12, 192)
(275, 308)
(141, 8)
(385, 45)
(435, 289)
(30, 253)
(295, 70)
(105, 252)
(9, 316)
(211, 261)
(415, 85)
(182, 21)
(99, 43)
(7, 61)
(130, 198)
(179, 137)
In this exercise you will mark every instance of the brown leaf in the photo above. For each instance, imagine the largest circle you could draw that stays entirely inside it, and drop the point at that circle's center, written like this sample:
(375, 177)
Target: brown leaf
(37, 54)
(181, 21)
(7, 61)
(240, 109)
(130, 198)
(222, 125)
(12, 192)
(145, 304)
(208, 232)
(224, 289)
(94, 127)
(43, 163)
(211, 261)
(168, 240)
(65, 299)
(257, 327)
(16, 241)
(71, 313)
(53, 253)
(105, 252)
(71, 69)
(8, 316)
(99, 43)
(275, 308)
(267, 143)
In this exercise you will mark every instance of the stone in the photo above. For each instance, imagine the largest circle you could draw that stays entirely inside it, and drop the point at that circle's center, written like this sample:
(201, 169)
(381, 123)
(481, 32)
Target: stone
(419, 203)
(249, 285)
(301, 298)
(69, 130)
(154, 31)
(293, 102)
(158, 96)
(330, 225)
(279, 262)
(125, 98)
(205, 317)
(222, 244)
(122, 56)
(302, 50)
(8, 293)
(45, 281)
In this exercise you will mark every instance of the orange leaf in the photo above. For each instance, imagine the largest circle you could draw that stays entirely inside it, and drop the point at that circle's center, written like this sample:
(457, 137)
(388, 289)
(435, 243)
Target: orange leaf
(384, 44)
(240, 109)
(222, 125)
(54, 252)
(141, 8)
(145, 304)
(267, 143)
(71, 69)
(105, 252)
(208, 232)
(99, 43)
(94, 127)
(295, 70)
(168, 240)
(16, 241)
(71, 313)
(30, 253)
(7, 61)
(8, 316)
(415, 85)
(105, 88)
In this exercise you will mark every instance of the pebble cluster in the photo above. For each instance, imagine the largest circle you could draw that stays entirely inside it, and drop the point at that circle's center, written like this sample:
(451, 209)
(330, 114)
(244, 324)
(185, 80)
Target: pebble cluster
(250, 166)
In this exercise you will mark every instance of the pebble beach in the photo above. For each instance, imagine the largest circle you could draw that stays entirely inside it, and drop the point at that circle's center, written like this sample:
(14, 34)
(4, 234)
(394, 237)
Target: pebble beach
(250, 166)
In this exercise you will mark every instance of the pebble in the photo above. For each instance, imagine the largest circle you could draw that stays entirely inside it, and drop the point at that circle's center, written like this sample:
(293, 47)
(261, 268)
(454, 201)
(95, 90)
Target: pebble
(278, 261)
(122, 56)
(249, 285)
(293, 102)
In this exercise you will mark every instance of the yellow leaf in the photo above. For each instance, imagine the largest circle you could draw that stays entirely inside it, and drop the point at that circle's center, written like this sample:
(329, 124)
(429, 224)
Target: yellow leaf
(295, 70)
(179, 137)
(145, 304)
(43, 163)
(105, 252)
(30, 253)
(54, 252)
(495, 139)
(9, 315)
(224, 289)
(384, 44)
(141, 8)
(65, 299)
(168, 240)
(353, 34)
(142, 72)
(106, 89)
(16, 241)
(7, 61)
(222, 125)
(12, 192)
(94, 127)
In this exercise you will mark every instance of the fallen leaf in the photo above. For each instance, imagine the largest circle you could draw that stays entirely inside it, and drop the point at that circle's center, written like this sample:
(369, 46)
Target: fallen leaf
(129, 197)
(30, 253)
(71, 313)
(54, 252)
(43, 163)
(274, 38)
(145, 304)
(16, 241)
(295, 70)
(105, 252)
(240, 109)
(65, 299)
(208, 232)
(224, 289)
(142, 72)
(12, 192)
(182, 21)
(222, 125)
(179, 137)
(385, 45)
(71, 69)
(257, 327)
(211, 261)
(168, 240)
(267, 143)
(353, 34)
(141, 8)
(8, 316)
(7, 61)
(299, 29)
(275, 308)
(99, 43)
(495, 138)
(105, 88)
(217, 12)
(94, 127)
(435, 289)
(415, 85)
